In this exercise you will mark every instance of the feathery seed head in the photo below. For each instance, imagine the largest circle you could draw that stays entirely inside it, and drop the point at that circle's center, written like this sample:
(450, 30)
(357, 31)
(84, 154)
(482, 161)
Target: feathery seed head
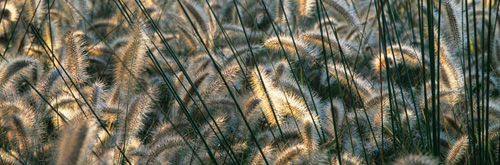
(416, 160)
(76, 142)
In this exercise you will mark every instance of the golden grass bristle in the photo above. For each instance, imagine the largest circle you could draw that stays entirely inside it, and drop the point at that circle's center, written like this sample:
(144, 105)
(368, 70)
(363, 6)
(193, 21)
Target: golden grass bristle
(131, 58)
(285, 7)
(100, 50)
(270, 108)
(164, 144)
(457, 152)
(309, 135)
(395, 56)
(352, 80)
(290, 154)
(51, 35)
(268, 152)
(326, 22)
(10, 11)
(452, 17)
(242, 53)
(330, 41)
(103, 24)
(347, 158)
(67, 106)
(306, 7)
(92, 82)
(231, 74)
(191, 90)
(25, 66)
(288, 45)
(134, 114)
(285, 103)
(416, 160)
(119, 43)
(188, 37)
(327, 118)
(450, 72)
(194, 10)
(75, 61)
(76, 142)
(344, 11)
(20, 126)
(96, 93)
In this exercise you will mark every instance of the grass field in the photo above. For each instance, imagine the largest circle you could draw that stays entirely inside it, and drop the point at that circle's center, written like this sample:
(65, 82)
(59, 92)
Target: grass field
(250, 82)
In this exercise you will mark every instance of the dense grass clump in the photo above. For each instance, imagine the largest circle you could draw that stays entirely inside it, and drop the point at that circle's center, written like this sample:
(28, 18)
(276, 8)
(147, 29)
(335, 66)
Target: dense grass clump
(249, 82)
